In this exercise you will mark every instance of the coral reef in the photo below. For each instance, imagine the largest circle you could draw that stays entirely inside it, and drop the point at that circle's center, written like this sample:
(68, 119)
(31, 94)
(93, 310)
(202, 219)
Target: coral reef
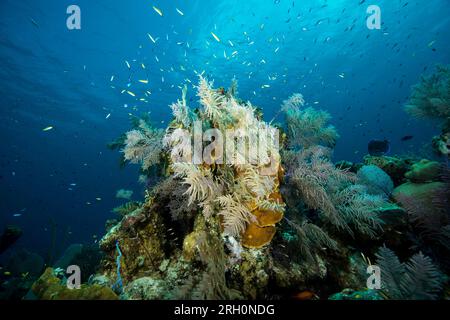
(238, 224)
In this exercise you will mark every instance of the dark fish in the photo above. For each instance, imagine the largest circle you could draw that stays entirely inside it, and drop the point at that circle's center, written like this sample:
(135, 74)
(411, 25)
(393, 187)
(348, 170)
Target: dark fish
(406, 138)
(378, 147)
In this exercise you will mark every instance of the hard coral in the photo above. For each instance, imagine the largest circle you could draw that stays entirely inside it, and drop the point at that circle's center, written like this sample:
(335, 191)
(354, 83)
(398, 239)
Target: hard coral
(424, 171)
(395, 167)
(50, 287)
(376, 180)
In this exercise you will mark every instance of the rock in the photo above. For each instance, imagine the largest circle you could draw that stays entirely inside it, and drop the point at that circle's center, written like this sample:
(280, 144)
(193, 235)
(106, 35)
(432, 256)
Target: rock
(424, 171)
(25, 262)
(9, 237)
(376, 180)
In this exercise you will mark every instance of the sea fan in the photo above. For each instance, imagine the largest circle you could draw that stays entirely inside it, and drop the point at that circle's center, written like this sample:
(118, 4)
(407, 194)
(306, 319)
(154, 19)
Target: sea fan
(422, 280)
(334, 193)
(316, 178)
(431, 97)
(311, 238)
(418, 279)
(392, 270)
(307, 127)
(358, 208)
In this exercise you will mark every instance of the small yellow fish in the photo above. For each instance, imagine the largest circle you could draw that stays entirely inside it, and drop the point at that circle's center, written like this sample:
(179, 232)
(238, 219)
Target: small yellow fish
(431, 43)
(7, 273)
(48, 128)
(215, 37)
(158, 11)
(179, 11)
(151, 38)
(128, 64)
(131, 93)
(143, 66)
(98, 199)
(143, 81)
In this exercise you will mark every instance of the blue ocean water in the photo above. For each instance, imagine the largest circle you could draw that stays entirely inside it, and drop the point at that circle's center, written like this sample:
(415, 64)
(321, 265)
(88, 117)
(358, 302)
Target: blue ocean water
(72, 80)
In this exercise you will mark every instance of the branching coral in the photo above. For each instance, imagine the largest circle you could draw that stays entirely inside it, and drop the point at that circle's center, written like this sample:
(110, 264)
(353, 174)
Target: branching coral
(418, 279)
